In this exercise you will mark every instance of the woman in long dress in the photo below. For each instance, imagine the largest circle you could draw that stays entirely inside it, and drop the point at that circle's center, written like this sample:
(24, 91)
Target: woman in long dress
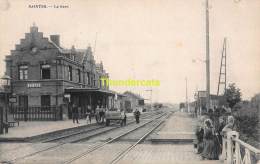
(209, 150)
(199, 141)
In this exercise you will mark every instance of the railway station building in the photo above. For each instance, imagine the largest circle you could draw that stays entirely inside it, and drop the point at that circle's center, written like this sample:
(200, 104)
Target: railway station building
(46, 78)
(133, 101)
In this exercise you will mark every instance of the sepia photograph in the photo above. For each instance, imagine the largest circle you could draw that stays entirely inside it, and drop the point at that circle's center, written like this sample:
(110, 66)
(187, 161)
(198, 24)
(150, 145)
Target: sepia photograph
(130, 81)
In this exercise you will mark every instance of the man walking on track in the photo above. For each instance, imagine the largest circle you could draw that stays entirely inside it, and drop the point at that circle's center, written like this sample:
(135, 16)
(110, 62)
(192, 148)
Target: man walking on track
(137, 116)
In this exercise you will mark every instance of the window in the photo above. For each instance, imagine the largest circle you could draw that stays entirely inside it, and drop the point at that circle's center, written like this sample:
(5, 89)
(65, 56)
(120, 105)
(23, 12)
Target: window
(100, 84)
(105, 84)
(23, 72)
(70, 73)
(73, 57)
(45, 71)
(45, 100)
(94, 80)
(23, 101)
(88, 76)
(79, 75)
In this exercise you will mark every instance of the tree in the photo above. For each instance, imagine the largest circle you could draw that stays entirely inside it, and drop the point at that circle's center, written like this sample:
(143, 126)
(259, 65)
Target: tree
(232, 95)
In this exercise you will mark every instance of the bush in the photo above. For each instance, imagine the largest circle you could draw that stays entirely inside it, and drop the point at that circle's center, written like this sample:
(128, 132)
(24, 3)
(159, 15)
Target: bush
(248, 127)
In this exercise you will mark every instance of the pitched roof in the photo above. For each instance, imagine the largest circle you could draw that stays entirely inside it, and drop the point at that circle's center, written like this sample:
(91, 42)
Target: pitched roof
(80, 54)
(133, 95)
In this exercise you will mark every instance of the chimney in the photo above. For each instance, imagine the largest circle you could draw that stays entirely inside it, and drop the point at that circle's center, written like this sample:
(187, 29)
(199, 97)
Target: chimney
(55, 39)
(34, 28)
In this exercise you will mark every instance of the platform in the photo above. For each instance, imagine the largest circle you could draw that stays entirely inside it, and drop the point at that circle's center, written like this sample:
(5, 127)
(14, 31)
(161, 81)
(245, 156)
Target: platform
(31, 129)
(180, 127)
(36, 128)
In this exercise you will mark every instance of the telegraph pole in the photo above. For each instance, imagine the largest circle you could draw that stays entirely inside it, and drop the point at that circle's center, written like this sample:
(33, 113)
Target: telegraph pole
(151, 96)
(207, 57)
(187, 103)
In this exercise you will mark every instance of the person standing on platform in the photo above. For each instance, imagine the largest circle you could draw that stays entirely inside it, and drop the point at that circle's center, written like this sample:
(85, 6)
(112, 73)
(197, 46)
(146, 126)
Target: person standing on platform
(219, 127)
(88, 114)
(75, 113)
(97, 114)
(209, 150)
(230, 125)
(199, 140)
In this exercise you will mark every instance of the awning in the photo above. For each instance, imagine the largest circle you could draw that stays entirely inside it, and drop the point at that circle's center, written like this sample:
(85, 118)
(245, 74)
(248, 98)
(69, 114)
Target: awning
(89, 90)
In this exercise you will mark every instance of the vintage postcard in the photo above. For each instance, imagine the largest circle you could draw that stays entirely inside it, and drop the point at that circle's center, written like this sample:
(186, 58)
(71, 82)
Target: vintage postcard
(130, 81)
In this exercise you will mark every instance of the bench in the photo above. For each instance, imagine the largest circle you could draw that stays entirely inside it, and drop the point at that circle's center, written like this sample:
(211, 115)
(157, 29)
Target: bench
(11, 122)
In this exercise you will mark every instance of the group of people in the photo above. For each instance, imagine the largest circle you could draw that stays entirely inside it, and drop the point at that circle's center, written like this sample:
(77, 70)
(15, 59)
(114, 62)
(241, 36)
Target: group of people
(209, 135)
(99, 114)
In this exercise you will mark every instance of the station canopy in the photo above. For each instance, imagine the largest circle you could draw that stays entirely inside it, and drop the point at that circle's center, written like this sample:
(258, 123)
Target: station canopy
(88, 90)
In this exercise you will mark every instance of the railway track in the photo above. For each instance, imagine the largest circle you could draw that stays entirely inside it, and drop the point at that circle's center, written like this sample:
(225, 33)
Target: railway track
(57, 136)
(154, 124)
(142, 138)
(64, 139)
(87, 134)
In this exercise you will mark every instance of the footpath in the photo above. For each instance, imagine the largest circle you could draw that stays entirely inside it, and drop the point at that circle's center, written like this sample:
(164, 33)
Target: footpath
(36, 128)
(31, 129)
(180, 127)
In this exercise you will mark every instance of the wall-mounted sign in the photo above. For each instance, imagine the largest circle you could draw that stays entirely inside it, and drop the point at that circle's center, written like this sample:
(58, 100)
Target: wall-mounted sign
(202, 94)
(67, 95)
(34, 85)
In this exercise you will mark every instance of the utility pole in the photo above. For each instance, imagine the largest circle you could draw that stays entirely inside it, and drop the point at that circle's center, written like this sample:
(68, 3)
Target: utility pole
(187, 103)
(151, 96)
(207, 57)
(223, 69)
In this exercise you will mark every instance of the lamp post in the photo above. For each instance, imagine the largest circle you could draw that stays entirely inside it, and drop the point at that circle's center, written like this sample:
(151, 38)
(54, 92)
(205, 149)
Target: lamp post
(5, 81)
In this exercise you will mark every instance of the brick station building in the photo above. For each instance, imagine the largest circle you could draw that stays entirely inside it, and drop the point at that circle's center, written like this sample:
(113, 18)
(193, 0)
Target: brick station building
(45, 75)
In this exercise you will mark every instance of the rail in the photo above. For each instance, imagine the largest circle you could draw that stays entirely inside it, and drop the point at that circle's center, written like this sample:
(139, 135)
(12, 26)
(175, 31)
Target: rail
(113, 140)
(14, 160)
(125, 152)
(236, 151)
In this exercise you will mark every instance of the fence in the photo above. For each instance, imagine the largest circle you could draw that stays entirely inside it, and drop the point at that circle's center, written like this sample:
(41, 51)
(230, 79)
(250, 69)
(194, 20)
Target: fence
(235, 151)
(37, 113)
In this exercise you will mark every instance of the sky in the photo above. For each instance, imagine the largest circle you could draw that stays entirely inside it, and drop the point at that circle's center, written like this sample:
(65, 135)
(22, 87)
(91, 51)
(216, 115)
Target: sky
(149, 39)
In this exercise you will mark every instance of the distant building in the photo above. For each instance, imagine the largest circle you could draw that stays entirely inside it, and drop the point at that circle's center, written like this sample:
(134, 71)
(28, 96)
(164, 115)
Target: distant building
(200, 103)
(133, 101)
(120, 101)
(45, 74)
